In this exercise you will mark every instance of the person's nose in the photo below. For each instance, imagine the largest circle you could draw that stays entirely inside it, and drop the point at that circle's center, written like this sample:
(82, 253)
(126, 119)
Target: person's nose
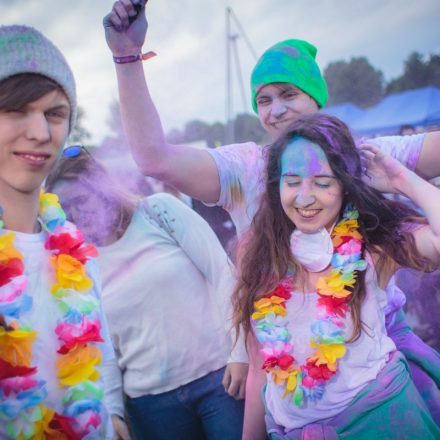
(305, 197)
(278, 108)
(38, 128)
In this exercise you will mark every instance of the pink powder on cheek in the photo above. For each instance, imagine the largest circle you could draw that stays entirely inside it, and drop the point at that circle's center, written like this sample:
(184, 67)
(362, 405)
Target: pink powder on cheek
(333, 193)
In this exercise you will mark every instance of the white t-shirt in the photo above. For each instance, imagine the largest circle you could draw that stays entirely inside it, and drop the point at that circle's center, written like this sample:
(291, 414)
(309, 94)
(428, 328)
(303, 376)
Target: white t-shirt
(361, 364)
(242, 168)
(166, 293)
(44, 316)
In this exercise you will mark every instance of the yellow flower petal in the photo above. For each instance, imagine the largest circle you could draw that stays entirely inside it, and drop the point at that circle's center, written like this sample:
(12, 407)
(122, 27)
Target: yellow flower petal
(70, 274)
(262, 303)
(47, 199)
(16, 346)
(7, 249)
(327, 353)
(42, 424)
(79, 365)
(291, 382)
(334, 286)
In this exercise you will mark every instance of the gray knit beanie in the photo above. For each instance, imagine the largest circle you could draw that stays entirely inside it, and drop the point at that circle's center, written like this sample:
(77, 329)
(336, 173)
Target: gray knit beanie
(25, 50)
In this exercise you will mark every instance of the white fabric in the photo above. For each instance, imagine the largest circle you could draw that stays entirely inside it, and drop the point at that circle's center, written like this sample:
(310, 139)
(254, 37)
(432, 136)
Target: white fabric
(313, 251)
(44, 315)
(241, 169)
(362, 362)
(168, 321)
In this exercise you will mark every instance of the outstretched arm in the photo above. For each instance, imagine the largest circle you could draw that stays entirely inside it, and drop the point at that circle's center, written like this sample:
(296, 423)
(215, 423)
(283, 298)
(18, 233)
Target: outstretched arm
(190, 170)
(418, 152)
(428, 165)
(389, 175)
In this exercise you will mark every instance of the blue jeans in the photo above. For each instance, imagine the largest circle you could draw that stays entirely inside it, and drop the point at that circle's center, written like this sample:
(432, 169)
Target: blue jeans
(198, 410)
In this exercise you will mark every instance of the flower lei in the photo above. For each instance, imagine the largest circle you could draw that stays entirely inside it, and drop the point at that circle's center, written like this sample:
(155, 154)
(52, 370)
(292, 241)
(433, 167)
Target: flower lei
(335, 291)
(22, 395)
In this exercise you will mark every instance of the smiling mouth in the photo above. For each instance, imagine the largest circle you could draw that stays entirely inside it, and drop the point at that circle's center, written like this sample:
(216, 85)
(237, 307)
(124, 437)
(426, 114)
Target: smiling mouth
(280, 123)
(33, 158)
(308, 213)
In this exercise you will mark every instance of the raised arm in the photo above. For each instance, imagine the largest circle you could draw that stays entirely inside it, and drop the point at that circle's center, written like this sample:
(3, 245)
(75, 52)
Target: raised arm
(418, 152)
(428, 165)
(389, 175)
(190, 170)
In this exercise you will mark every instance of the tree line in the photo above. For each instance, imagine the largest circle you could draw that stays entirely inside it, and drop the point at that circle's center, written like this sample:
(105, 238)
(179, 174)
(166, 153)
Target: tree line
(355, 81)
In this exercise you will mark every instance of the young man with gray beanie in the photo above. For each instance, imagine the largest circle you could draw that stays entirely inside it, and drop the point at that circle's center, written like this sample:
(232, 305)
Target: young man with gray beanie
(53, 333)
(286, 83)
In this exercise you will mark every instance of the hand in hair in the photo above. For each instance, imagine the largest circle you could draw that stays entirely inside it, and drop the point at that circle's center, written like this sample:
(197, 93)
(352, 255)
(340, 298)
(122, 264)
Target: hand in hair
(125, 27)
(382, 171)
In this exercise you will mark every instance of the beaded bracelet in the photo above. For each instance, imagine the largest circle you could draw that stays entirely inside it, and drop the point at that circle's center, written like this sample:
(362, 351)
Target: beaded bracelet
(132, 58)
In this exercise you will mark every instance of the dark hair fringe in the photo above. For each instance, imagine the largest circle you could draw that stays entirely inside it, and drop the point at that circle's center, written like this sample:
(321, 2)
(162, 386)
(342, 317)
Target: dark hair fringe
(21, 89)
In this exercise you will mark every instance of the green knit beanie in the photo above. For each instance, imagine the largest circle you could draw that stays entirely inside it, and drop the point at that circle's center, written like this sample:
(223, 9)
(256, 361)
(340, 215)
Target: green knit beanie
(25, 50)
(290, 61)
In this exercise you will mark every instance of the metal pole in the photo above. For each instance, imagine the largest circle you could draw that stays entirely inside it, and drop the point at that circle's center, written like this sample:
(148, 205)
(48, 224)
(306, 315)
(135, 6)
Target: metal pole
(228, 112)
(245, 37)
(238, 72)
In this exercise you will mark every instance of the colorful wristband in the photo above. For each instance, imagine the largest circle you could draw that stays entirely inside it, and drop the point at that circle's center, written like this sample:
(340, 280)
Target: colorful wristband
(133, 58)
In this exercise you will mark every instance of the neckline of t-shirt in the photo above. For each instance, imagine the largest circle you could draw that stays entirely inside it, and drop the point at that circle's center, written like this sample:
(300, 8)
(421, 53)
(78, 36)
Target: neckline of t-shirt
(126, 232)
(28, 237)
(304, 296)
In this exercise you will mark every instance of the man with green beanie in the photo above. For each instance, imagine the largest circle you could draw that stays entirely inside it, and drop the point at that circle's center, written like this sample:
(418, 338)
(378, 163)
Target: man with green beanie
(286, 83)
(293, 62)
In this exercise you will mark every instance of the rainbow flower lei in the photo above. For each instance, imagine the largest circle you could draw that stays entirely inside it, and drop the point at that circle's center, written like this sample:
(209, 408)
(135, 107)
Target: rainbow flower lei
(307, 381)
(22, 394)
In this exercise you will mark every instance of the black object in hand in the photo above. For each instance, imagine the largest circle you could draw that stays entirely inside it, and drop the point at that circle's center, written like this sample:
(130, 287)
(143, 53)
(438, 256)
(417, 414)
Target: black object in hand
(137, 7)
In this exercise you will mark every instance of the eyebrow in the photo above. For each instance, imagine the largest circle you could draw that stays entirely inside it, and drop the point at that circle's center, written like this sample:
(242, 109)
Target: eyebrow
(280, 87)
(59, 107)
(285, 87)
(317, 175)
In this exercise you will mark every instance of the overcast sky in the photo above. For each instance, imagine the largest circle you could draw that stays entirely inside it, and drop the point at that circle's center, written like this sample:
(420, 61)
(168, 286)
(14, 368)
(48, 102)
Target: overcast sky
(187, 78)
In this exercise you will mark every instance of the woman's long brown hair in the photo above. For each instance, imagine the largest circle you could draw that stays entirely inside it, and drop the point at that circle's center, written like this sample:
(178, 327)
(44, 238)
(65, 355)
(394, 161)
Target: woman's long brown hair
(264, 256)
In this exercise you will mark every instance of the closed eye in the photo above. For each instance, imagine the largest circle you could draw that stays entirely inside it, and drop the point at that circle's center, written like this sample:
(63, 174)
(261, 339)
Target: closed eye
(57, 114)
(291, 181)
(263, 101)
(324, 182)
(290, 94)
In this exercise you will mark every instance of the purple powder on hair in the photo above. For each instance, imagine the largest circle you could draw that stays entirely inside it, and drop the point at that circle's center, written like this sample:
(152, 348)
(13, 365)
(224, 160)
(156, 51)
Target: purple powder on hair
(292, 51)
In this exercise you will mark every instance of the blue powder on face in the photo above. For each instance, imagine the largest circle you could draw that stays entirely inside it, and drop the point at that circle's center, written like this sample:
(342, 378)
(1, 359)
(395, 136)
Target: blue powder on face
(303, 158)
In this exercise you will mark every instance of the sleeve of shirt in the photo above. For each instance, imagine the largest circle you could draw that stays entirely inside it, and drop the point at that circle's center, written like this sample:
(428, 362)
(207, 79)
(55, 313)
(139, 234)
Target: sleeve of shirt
(113, 397)
(192, 233)
(233, 164)
(106, 347)
(199, 242)
(111, 374)
(405, 149)
(238, 352)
